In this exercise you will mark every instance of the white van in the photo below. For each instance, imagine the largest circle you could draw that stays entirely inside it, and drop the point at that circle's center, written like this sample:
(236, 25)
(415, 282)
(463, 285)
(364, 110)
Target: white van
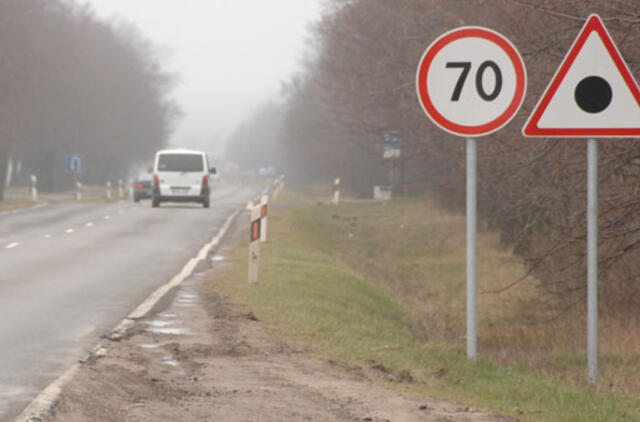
(181, 175)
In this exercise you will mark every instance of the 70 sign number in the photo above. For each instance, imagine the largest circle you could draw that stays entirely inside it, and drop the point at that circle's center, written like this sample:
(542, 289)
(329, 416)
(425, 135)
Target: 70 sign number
(466, 67)
(472, 56)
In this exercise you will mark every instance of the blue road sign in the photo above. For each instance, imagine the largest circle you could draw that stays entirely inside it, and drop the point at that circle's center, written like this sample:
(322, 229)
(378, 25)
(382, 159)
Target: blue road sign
(75, 163)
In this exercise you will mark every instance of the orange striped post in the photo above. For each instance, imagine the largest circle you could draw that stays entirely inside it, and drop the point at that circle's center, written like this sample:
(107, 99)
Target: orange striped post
(255, 228)
(263, 218)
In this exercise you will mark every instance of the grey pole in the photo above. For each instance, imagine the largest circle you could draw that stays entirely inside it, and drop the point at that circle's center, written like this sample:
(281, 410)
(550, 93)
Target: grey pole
(592, 259)
(471, 248)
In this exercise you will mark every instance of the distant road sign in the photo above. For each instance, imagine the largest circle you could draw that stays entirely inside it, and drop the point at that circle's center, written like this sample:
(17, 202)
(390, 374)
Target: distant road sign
(471, 81)
(391, 146)
(592, 94)
(75, 163)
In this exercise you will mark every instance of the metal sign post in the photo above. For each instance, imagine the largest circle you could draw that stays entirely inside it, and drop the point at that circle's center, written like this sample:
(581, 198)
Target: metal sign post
(471, 81)
(471, 248)
(592, 259)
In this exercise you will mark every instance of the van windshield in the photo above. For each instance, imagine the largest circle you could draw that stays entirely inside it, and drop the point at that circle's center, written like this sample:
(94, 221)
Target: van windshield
(180, 162)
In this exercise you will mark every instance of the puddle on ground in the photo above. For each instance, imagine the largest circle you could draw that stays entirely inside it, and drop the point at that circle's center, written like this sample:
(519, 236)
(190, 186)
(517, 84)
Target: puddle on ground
(170, 362)
(173, 331)
(160, 323)
(149, 346)
(186, 300)
(218, 258)
(168, 315)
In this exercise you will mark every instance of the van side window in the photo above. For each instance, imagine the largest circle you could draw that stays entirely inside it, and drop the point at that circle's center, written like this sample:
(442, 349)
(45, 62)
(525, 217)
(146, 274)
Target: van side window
(180, 162)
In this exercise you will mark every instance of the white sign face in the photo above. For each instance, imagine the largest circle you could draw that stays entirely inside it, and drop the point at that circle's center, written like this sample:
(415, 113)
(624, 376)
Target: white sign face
(471, 81)
(592, 94)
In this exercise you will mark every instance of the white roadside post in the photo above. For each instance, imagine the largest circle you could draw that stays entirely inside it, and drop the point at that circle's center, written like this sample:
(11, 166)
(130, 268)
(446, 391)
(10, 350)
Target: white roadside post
(34, 187)
(573, 106)
(263, 215)
(78, 191)
(130, 189)
(336, 191)
(254, 242)
(108, 190)
(471, 109)
(120, 189)
(279, 184)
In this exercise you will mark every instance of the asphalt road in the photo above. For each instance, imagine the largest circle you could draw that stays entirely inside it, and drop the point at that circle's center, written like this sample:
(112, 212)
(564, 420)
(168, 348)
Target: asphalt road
(70, 272)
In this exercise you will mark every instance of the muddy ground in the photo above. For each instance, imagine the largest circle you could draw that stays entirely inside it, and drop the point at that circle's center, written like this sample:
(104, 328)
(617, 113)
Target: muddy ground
(201, 358)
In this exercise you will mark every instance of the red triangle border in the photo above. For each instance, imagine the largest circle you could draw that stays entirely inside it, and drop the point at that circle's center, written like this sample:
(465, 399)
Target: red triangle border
(531, 128)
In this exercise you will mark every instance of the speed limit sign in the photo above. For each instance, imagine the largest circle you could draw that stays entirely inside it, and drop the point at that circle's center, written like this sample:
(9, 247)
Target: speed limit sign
(471, 81)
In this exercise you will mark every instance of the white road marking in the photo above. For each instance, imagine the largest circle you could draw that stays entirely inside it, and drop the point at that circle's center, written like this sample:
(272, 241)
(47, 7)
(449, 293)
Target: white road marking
(107, 217)
(187, 270)
(120, 212)
(69, 231)
(12, 245)
(89, 224)
(47, 236)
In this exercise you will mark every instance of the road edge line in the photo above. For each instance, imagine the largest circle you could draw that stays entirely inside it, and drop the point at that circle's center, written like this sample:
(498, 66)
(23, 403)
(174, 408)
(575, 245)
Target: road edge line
(41, 405)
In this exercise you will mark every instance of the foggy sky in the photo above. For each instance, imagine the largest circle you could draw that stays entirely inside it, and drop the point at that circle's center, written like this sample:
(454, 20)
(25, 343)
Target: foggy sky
(230, 55)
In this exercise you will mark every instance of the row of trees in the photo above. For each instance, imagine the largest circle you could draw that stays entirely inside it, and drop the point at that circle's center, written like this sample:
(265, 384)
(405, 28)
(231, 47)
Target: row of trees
(256, 142)
(359, 87)
(71, 83)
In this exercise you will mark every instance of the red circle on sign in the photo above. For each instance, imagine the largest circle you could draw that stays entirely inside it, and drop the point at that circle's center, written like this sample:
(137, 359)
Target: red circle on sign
(424, 68)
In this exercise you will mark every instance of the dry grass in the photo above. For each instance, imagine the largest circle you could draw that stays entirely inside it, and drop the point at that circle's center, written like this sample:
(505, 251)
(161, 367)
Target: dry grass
(417, 252)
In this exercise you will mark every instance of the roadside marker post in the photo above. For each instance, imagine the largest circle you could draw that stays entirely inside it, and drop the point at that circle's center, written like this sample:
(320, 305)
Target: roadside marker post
(120, 189)
(592, 95)
(470, 109)
(78, 191)
(34, 188)
(263, 218)
(254, 242)
(336, 191)
(280, 185)
(108, 190)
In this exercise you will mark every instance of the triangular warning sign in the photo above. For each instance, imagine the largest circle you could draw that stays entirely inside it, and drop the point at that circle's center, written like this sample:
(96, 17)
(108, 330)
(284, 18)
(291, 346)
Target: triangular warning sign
(592, 94)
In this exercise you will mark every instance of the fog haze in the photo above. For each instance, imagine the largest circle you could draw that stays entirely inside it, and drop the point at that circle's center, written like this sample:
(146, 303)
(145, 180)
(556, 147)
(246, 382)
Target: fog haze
(229, 56)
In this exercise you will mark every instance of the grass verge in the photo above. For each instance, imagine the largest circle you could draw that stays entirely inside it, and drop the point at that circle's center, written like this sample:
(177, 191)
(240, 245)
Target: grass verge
(382, 286)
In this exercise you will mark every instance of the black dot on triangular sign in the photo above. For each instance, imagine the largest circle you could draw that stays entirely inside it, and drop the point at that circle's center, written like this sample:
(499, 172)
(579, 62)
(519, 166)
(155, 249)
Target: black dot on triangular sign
(593, 94)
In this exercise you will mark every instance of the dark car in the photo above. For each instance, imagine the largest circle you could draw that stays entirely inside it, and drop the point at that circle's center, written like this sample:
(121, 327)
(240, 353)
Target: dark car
(142, 188)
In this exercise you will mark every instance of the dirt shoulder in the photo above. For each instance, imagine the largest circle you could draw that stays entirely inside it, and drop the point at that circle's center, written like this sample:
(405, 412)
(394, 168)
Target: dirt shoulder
(203, 358)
